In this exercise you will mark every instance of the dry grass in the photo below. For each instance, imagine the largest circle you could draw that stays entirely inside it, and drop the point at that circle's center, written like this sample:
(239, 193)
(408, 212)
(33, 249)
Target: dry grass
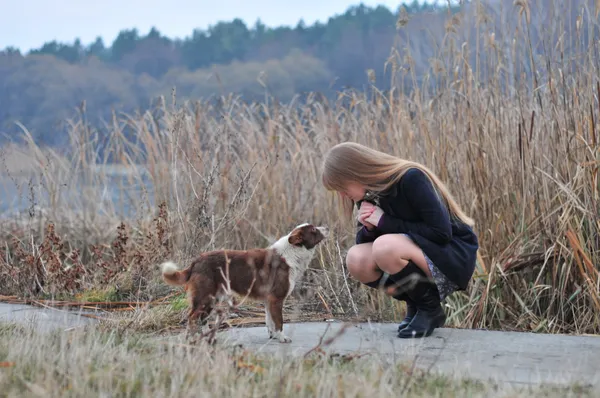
(520, 155)
(94, 363)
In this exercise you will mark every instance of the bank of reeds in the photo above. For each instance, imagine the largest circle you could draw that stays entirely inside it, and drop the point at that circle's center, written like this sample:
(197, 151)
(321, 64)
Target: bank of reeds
(518, 149)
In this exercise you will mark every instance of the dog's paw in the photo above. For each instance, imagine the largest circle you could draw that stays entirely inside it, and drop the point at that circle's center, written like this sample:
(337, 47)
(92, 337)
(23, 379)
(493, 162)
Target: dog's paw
(280, 336)
(284, 339)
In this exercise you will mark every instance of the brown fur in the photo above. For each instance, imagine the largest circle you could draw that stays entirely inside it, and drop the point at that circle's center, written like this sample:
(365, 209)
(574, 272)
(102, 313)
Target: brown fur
(257, 273)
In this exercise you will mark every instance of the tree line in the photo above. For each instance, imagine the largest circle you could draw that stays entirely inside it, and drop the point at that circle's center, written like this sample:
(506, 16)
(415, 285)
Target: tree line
(44, 87)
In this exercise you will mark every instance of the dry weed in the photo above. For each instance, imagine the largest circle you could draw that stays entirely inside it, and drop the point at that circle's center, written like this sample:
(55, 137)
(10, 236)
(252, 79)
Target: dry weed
(511, 127)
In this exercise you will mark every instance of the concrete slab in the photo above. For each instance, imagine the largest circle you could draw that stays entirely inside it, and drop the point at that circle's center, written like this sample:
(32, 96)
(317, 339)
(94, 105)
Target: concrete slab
(44, 319)
(501, 357)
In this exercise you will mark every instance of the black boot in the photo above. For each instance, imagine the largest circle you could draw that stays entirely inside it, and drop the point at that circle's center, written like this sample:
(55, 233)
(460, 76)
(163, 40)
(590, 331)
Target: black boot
(404, 281)
(411, 309)
(430, 314)
(376, 284)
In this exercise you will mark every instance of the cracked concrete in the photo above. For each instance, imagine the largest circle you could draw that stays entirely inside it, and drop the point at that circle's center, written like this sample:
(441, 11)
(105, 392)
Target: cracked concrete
(516, 358)
(501, 357)
(43, 319)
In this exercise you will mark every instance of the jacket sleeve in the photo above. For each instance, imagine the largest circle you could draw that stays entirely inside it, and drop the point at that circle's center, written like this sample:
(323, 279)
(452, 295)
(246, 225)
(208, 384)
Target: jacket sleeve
(365, 236)
(435, 224)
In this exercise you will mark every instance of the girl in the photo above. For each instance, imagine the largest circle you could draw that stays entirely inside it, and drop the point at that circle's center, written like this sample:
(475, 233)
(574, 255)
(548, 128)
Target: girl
(412, 230)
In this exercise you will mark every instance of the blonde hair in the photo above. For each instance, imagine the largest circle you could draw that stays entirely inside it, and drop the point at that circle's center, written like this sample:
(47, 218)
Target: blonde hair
(377, 171)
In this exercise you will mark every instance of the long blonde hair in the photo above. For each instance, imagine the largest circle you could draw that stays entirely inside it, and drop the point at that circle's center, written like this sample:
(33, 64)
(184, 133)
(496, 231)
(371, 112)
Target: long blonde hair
(377, 171)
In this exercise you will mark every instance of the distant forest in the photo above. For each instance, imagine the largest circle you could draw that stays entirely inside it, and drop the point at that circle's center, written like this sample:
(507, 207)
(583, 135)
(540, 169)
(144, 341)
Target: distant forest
(43, 88)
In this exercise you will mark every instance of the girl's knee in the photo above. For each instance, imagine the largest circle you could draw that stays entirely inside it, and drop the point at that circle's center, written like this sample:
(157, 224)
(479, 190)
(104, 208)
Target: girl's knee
(359, 252)
(359, 260)
(390, 247)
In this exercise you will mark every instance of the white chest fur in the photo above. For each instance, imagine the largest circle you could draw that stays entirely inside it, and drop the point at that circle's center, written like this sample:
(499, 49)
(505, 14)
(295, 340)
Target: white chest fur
(297, 258)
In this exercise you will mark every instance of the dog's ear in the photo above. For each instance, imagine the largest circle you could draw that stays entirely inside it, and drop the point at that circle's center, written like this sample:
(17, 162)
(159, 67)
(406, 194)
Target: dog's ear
(295, 238)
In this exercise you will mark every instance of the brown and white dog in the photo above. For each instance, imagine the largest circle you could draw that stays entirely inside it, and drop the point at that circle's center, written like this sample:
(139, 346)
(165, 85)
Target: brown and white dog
(269, 274)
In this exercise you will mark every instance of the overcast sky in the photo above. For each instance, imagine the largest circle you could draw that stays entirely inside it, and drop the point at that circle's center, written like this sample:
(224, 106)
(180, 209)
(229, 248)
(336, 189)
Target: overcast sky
(27, 24)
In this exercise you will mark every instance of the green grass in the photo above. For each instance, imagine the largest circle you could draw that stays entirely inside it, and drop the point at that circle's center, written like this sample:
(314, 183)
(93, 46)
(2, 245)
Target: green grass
(96, 295)
(179, 302)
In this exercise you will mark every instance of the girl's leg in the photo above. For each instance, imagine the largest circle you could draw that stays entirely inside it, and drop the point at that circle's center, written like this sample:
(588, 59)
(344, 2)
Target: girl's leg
(407, 266)
(362, 266)
(393, 252)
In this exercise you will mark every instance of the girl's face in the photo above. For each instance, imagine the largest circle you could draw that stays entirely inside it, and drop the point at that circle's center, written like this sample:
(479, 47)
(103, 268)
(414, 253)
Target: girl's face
(354, 191)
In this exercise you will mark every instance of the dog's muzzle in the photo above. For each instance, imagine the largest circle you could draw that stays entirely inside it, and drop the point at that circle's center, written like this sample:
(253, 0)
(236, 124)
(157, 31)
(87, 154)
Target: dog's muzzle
(324, 230)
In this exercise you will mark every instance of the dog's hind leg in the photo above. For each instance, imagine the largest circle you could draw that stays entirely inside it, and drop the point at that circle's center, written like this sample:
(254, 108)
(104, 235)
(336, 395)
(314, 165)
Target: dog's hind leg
(201, 305)
(198, 315)
(192, 323)
(275, 306)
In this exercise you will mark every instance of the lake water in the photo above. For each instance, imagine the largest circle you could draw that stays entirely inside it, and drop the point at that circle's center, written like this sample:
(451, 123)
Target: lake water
(116, 191)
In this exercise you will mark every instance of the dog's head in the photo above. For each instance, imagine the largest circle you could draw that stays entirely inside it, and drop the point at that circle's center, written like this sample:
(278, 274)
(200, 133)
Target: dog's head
(307, 235)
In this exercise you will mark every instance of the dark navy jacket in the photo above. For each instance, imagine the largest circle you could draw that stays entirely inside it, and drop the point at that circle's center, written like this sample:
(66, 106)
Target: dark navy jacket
(411, 206)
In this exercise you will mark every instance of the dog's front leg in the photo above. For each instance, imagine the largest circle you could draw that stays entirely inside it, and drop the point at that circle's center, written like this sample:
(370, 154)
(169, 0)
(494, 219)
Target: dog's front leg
(275, 308)
(269, 320)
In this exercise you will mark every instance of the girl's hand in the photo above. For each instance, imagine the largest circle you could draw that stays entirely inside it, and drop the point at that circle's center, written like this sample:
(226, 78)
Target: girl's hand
(367, 224)
(375, 215)
(365, 211)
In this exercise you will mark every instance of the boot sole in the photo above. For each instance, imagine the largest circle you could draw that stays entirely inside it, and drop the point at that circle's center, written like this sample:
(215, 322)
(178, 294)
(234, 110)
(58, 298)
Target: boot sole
(441, 320)
(401, 328)
(416, 335)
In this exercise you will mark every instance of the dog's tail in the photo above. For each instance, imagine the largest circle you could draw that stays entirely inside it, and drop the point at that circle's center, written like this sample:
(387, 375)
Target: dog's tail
(172, 275)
